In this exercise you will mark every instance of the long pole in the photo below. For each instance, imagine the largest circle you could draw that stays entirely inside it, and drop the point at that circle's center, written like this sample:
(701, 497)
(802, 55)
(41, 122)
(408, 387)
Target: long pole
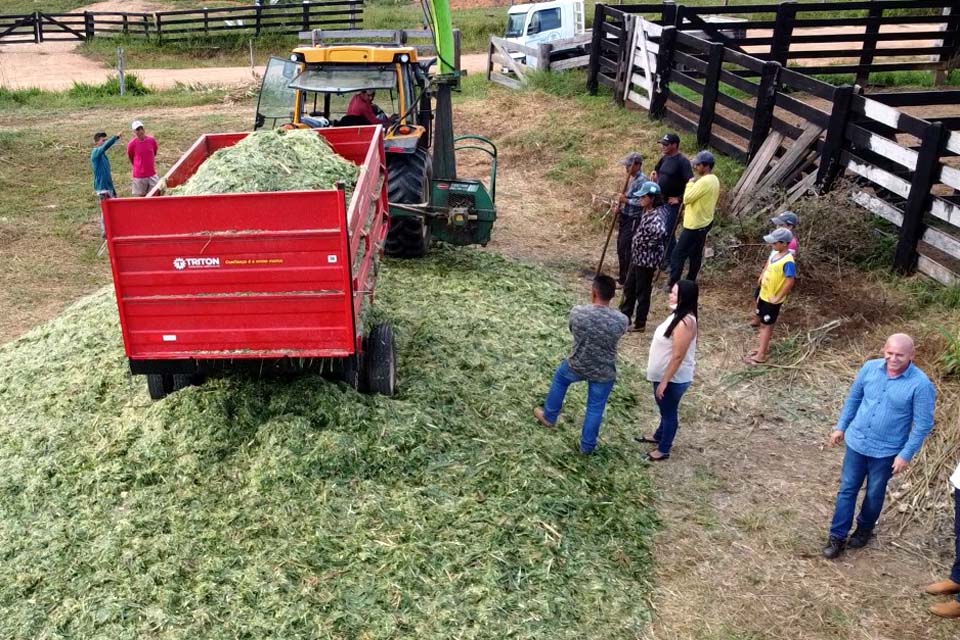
(120, 74)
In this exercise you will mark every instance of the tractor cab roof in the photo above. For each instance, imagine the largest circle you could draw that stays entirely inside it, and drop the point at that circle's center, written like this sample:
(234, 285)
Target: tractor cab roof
(355, 54)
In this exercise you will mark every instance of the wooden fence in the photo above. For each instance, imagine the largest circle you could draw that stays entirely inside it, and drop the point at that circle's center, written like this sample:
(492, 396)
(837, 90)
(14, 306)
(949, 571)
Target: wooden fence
(509, 62)
(797, 132)
(167, 26)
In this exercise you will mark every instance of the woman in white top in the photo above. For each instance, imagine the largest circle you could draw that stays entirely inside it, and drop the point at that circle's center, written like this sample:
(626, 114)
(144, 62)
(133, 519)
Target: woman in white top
(670, 364)
(950, 586)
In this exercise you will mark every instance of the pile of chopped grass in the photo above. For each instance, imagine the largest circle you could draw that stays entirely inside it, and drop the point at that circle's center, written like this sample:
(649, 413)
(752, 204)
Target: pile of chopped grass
(297, 508)
(271, 161)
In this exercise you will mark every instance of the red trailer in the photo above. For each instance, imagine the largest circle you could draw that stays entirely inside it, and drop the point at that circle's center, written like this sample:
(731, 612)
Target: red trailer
(274, 280)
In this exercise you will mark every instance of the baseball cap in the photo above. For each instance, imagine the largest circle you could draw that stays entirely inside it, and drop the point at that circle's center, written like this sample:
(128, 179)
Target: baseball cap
(648, 189)
(136, 124)
(786, 217)
(703, 157)
(670, 138)
(630, 158)
(778, 235)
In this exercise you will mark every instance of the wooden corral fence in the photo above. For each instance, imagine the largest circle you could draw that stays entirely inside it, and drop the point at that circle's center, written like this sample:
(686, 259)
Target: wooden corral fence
(509, 62)
(166, 26)
(794, 131)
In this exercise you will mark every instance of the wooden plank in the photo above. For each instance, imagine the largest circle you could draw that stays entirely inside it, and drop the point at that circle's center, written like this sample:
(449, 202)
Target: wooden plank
(757, 167)
(877, 176)
(875, 68)
(510, 83)
(639, 99)
(864, 139)
(802, 109)
(513, 47)
(879, 207)
(937, 271)
(946, 211)
(889, 116)
(794, 155)
(728, 148)
(917, 98)
(570, 63)
(733, 127)
(949, 176)
(791, 78)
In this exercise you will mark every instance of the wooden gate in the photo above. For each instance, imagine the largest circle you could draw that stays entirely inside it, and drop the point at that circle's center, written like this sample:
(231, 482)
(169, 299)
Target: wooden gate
(18, 29)
(641, 73)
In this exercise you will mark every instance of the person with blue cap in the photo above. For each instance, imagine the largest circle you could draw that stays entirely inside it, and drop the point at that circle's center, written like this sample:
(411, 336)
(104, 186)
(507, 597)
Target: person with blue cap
(646, 251)
(699, 207)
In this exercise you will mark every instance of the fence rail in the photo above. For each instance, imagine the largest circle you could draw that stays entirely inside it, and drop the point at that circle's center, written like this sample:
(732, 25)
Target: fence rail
(509, 62)
(167, 26)
(796, 131)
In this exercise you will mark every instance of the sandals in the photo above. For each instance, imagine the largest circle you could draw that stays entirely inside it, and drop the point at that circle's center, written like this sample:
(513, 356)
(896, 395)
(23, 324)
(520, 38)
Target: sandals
(646, 440)
(752, 360)
(664, 456)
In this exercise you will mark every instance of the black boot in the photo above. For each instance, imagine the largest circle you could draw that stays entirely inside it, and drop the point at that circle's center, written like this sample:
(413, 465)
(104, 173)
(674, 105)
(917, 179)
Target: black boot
(860, 538)
(834, 548)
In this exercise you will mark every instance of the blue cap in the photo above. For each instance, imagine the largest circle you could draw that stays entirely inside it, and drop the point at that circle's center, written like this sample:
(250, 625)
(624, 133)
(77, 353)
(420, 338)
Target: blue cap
(703, 157)
(648, 189)
(787, 217)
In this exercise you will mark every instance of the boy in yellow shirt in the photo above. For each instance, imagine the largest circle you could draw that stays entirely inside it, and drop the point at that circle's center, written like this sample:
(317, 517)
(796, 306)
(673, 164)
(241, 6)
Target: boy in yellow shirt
(776, 282)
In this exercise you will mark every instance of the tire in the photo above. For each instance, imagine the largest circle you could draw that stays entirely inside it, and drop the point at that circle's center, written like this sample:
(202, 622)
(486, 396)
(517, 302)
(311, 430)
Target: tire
(159, 385)
(182, 381)
(381, 361)
(353, 373)
(408, 182)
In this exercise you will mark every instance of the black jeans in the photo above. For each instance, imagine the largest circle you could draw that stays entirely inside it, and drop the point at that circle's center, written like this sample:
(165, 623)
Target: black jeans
(673, 210)
(689, 246)
(955, 574)
(636, 294)
(624, 240)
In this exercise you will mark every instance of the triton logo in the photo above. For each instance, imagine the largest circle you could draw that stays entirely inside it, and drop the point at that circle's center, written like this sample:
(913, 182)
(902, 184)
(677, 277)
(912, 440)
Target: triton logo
(196, 263)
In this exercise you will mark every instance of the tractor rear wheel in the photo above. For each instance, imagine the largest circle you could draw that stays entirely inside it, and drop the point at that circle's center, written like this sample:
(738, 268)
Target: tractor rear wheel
(408, 182)
(381, 361)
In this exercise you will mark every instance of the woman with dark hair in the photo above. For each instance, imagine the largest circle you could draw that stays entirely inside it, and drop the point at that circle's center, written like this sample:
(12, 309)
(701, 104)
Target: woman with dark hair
(647, 248)
(671, 363)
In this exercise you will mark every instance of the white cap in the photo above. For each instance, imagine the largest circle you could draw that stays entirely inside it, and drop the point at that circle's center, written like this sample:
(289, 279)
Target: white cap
(136, 124)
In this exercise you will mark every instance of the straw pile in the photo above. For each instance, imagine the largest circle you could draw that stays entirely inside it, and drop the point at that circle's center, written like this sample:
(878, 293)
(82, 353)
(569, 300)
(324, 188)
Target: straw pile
(296, 508)
(271, 161)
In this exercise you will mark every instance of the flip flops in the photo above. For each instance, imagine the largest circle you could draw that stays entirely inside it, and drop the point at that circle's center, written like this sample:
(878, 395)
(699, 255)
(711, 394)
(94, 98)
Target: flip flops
(752, 360)
(646, 440)
(665, 456)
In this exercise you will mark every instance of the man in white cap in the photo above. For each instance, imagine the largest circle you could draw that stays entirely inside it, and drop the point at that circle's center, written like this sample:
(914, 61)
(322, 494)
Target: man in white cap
(142, 151)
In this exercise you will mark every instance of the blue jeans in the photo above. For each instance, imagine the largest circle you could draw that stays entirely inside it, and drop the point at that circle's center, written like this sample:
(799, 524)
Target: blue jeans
(597, 394)
(857, 468)
(955, 574)
(669, 414)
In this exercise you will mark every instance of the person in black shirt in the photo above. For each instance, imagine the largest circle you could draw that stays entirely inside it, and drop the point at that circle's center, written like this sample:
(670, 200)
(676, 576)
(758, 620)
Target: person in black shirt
(672, 173)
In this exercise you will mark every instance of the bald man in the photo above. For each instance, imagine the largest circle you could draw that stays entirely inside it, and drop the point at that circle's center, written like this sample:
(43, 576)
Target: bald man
(887, 415)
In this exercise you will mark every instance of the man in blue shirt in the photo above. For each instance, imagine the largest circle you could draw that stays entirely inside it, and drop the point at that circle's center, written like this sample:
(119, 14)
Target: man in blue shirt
(102, 179)
(887, 415)
(629, 210)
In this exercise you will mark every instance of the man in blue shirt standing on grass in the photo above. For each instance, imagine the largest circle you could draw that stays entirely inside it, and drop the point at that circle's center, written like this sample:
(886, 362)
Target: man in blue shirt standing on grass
(100, 163)
(887, 415)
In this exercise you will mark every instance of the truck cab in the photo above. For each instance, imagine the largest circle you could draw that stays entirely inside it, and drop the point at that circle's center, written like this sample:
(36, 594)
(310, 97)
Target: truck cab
(536, 23)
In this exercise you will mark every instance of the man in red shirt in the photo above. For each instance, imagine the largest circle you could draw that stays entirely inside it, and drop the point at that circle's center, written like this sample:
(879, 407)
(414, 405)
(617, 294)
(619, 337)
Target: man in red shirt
(361, 105)
(142, 151)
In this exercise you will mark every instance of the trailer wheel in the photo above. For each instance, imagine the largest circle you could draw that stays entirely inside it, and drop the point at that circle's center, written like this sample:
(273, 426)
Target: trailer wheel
(159, 385)
(181, 381)
(408, 182)
(381, 361)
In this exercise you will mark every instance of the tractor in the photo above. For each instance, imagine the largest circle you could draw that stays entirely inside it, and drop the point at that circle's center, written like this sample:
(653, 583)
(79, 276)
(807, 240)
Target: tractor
(319, 84)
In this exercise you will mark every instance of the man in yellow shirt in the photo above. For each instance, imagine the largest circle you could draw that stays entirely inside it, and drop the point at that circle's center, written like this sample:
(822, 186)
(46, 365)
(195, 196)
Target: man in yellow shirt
(699, 206)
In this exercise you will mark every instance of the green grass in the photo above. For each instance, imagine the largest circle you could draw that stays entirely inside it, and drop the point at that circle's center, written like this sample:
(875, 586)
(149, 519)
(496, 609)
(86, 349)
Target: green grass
(901, 79)
(296, 508)
(106, 95)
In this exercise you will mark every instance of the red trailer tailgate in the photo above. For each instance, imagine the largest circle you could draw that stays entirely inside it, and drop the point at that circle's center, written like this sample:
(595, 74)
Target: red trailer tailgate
(233, 276)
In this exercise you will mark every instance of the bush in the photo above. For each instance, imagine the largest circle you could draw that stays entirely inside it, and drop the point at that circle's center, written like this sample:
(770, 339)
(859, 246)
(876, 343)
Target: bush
(132, 87)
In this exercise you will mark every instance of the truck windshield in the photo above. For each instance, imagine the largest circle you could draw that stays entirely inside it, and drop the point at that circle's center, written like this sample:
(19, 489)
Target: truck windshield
(344, 79)
(515, 24)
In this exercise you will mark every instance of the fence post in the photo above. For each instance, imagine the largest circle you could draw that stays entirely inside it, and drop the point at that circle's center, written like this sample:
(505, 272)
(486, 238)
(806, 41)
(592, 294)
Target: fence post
(869, 43)
(353, 15)
(782, 32)
(711, 88)
(37, 28)
(206, 21)
(833, 142)
(157, 18)
(905, 259)
(121, 75)
(543, 56)
(766, 100)
(306, 17)
(661, 88)
(593, 70)
(126, 25)
(668, 13)
(88, 27)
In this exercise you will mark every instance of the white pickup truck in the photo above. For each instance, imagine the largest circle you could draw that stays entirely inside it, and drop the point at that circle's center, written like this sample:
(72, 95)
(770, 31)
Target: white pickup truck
(531, 25)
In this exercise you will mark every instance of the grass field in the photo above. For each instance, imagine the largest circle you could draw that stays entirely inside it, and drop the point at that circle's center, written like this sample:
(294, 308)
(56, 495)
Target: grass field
(297, 508)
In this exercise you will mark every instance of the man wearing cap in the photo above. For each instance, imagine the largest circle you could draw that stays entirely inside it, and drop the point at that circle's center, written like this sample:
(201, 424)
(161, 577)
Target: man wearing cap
(629, 210)
(671, 174)
(142, 151)
(699, 206)
(885, 419)
(647, 248)
(100, 163)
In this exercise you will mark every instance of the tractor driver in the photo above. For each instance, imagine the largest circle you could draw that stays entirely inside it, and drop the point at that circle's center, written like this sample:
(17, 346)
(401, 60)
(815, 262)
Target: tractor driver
(361, 106)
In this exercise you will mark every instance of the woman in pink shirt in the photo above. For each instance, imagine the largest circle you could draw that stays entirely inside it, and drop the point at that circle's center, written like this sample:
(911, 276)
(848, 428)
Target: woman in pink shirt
(142, 151)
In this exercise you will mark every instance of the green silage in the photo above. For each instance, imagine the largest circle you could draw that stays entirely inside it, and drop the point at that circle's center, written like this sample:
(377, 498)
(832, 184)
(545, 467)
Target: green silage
(266, 161)
(297, 508)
